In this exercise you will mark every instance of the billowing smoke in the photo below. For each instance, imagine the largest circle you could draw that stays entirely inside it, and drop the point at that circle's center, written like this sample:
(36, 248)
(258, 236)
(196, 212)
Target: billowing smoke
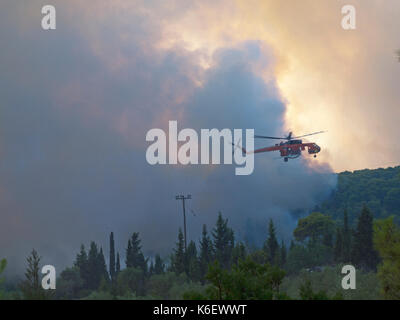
(76, 105)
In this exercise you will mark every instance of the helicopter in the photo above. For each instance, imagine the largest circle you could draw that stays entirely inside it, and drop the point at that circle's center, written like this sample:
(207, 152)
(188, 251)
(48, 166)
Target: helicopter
(291, 148)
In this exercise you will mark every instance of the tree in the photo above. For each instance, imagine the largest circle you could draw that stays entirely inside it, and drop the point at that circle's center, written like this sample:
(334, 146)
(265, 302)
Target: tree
(387, 243)
(112, 258)
(307, 293)
(271, 245)
(364, 254)
(3, 264)
(31, 288)
(247, 280)
(283, 255)
(179, 257)
(159, 265)
(96, 267)
(118, 265)
(206, 252)
(131, 280)
(128, 255)
(102, 267)
(81, 262)
(327, 240)
(151, 269)
(134, 255)
(346, 238)
(70, 285)
(314, 227)
(238, 253)
(223, 242)
(192, 262)
(338, 249)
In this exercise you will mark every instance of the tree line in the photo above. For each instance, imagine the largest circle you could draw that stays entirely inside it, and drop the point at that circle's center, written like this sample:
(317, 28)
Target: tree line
(220, 266)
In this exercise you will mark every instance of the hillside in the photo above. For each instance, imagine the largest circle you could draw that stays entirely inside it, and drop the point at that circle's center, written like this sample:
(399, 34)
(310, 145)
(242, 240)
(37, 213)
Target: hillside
(379, 189)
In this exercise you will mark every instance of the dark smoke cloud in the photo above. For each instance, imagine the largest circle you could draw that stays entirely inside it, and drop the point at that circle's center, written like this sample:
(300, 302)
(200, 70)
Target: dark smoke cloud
(75, 109)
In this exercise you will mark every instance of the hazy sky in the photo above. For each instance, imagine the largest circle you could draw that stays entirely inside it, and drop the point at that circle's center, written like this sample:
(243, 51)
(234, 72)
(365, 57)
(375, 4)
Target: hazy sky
(76, 103)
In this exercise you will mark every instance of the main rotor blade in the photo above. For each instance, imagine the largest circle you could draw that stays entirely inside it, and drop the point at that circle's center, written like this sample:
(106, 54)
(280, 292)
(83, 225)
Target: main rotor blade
(310, 134)
(266, 137)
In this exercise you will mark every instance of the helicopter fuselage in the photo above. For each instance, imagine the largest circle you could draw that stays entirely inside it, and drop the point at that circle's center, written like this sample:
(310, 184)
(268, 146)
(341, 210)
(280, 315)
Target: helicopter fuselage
(291, 149)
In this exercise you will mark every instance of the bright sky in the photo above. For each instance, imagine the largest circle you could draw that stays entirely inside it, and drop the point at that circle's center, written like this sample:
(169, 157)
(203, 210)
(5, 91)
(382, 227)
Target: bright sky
(342, 81)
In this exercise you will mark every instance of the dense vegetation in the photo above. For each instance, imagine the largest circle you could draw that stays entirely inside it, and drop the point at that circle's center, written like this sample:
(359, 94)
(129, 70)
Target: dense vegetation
(219, 266)
(378, 189)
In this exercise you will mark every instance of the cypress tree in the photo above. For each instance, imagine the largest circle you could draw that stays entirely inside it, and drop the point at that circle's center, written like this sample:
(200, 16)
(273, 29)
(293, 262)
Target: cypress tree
(346, 238)
(112, 257)
(206, 252)
(338, 249)
(364, 255)
(271, 245)
(94, 276)
(118, 265)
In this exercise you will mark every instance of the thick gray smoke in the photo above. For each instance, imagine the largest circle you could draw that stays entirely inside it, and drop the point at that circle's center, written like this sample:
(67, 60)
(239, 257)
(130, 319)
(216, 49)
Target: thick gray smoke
(75, 108)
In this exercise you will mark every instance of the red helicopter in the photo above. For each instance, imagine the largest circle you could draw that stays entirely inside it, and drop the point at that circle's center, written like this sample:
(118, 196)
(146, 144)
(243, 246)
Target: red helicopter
(291, 148)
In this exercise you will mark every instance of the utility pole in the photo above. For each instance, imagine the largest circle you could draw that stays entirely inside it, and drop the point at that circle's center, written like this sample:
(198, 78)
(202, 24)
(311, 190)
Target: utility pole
(183, 198)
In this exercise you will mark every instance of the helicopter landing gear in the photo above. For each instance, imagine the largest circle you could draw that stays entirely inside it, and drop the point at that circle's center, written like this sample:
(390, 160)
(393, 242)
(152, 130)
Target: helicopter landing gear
(285, 159)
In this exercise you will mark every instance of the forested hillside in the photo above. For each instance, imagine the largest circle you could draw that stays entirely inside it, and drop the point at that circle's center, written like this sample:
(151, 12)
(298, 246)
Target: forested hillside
(347, 229)
(378, 189)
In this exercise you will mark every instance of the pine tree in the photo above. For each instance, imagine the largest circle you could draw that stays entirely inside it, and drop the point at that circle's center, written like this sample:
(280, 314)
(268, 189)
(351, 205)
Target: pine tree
(238, 253)
(178, 258)
(271, 245)
(134, 255)
(81, 262)
(118, 265)
(206, 252)
(363, 254)
(31, 287)
(102, 267)
(224, 242)
(346, 238)
(112, 257)
(159, 266)
(338, 248)
(94, 275)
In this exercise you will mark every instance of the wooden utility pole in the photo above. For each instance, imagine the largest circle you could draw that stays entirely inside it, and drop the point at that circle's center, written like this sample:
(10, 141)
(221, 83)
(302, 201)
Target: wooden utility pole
(183, 198)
